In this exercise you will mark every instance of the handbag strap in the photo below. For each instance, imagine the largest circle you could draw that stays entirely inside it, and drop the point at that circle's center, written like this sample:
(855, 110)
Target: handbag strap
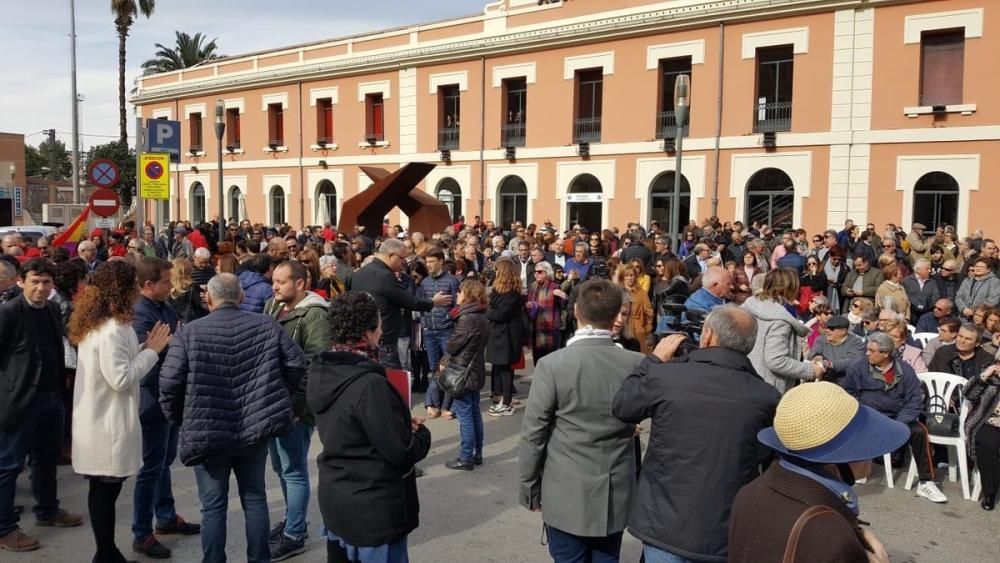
(793, 538)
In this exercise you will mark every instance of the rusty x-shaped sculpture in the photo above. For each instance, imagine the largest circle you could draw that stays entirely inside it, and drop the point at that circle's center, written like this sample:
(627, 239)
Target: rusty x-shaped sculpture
(395, 189)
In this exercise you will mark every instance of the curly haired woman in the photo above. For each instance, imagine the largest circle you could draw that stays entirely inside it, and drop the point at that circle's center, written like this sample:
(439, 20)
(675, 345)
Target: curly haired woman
(107, 437)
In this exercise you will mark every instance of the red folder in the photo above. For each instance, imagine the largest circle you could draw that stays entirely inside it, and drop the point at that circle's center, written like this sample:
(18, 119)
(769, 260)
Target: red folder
(400, 380)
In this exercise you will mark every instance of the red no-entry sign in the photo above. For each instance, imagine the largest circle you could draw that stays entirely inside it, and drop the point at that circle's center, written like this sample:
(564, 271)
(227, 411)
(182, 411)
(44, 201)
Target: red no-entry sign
(104, 202)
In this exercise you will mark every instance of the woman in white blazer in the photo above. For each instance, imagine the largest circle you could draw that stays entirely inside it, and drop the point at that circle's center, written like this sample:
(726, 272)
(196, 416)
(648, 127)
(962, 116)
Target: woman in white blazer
(107, 438)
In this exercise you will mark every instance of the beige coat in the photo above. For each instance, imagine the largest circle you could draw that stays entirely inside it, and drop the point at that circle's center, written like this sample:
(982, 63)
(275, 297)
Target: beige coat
(107, 437)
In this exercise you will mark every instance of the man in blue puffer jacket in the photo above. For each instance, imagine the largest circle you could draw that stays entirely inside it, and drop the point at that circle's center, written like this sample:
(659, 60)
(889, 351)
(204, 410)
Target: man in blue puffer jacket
(228, 381)
(256, 283)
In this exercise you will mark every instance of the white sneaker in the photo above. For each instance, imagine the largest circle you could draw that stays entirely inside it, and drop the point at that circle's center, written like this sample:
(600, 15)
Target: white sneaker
(931, 492)
(505, 411)
(861, 481)
(497, 407)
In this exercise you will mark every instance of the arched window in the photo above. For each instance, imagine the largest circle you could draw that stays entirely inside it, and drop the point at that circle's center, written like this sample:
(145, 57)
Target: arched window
(584, 203)
(771, 199)
(450, 193)
(198, 207)
(235, 198)
(513, 196)
(277, 198)
(661, 198)
(935, 200)
(326, 203)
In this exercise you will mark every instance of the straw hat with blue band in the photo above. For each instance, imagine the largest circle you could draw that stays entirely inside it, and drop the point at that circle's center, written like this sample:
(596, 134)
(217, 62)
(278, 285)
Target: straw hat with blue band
(820, 423)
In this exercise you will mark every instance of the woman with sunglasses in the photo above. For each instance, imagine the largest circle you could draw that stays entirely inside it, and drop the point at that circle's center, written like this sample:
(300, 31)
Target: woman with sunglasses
(671, 291)
(687, 244)
(812, 282)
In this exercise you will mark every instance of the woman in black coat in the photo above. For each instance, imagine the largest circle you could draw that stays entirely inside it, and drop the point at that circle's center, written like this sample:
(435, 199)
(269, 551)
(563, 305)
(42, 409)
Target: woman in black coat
(505, 313)
(465, 356)
(982, 430)
(367, 483)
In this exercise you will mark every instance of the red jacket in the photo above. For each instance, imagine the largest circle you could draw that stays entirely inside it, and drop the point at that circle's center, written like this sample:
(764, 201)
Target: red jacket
(197, 240)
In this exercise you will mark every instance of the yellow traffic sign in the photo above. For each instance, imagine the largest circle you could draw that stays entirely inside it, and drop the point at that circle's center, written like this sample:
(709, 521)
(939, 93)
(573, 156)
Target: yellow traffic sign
(154, 175)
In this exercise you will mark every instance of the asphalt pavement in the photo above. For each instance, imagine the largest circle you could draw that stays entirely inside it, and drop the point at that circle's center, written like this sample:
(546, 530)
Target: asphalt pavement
(475, 516)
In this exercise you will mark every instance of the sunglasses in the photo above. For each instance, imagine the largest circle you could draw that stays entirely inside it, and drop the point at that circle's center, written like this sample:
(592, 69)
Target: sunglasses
(855, 305)
(817, 240)
(887, 246)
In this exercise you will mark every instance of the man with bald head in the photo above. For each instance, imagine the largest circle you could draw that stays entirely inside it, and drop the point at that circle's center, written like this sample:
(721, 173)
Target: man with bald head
(948, 279)
(716, 288)
(11, 245)
(691, 522)
(277, 249)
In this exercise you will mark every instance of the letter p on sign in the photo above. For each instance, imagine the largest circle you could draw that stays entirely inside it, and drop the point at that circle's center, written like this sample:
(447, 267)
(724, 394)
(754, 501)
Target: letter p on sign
(165, 136)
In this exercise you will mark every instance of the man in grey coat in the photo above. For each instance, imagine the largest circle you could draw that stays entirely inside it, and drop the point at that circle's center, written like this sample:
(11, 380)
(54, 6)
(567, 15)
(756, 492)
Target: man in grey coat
(838, 348)
(569, 432)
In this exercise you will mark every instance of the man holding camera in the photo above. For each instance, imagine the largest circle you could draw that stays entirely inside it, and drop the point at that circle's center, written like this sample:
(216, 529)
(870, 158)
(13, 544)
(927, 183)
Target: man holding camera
(707, 408)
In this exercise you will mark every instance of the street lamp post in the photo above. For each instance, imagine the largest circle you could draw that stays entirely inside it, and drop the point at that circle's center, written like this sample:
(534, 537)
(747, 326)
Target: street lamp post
(682, 89)
(220, 130)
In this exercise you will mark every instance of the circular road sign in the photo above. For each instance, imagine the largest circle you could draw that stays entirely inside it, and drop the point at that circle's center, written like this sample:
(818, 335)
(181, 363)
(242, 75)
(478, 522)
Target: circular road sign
(154, 170)
(104, 202)
(103, 173)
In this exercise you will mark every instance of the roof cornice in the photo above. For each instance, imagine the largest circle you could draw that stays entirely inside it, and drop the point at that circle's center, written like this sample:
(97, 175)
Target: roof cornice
(611, 27)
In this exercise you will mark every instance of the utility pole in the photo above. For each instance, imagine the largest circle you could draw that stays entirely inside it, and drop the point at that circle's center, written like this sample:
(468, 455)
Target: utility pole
(76, 103)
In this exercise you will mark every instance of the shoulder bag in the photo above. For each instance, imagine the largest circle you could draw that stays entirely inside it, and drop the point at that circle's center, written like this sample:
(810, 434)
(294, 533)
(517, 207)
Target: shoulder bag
(792, 547)
(454, 379)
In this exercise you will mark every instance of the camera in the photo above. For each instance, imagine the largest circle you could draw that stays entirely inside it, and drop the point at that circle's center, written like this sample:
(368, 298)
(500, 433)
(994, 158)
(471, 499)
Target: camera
(684, 321)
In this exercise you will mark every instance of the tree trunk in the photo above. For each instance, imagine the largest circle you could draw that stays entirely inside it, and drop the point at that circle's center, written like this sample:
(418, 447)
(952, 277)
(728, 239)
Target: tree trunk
(122, 113)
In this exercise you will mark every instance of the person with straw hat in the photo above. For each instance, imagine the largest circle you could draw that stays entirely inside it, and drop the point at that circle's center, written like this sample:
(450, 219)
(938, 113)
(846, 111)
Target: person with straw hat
(803, 507)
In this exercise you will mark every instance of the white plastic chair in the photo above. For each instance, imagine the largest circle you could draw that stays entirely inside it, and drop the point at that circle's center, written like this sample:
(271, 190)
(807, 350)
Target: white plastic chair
(924, 337)
(941, 389)
(912, 328)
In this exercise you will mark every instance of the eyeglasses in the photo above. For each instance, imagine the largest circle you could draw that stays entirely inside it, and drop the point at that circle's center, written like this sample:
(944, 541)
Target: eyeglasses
(660, 266)
(947, 269)
(817, 240)
(887, 246)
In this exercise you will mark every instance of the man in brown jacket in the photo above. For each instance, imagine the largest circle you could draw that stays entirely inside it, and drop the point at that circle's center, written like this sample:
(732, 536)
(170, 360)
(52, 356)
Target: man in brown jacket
(825, 438)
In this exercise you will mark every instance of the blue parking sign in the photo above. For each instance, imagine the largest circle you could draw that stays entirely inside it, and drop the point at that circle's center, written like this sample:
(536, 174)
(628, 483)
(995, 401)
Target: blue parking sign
(163, 135)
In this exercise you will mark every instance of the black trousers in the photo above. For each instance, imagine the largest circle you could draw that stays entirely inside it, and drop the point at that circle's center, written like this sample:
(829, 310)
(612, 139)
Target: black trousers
(988, 457)
(503, 383)
(920, 447)
(101, 506)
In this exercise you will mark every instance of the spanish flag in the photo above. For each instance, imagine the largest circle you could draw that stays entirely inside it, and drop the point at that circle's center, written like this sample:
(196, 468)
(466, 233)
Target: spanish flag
(76, 232)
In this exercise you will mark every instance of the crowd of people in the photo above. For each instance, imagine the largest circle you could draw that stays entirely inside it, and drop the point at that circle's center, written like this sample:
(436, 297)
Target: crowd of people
(788, 353)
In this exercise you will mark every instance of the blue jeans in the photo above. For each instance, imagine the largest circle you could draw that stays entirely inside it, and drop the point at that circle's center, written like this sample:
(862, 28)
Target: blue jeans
(213, 491)
(39, 431)
(568, 548)
(154, 494)
(436, 342)
(394, 552)
(657, 555)
(290, 460)
(470, 425)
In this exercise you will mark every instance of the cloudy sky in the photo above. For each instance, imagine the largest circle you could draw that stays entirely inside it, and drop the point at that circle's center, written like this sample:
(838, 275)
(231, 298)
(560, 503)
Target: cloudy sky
(35, 65)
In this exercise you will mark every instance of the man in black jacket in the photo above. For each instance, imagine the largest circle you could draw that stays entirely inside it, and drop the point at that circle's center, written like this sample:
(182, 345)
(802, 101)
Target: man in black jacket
(31, 405)
(228, 381)
(706, 408)
(965, 358)
(379, 279)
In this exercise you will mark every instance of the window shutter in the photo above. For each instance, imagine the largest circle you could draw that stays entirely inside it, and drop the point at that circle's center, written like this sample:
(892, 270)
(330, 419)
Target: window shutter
(942, 72)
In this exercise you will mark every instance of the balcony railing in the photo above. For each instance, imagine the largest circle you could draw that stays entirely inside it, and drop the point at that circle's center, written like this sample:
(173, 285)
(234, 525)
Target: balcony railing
(373, 138)
(233, 145)
(275, 143)
(772, 116)
(195, 149)
(448, 138)
(514, 134)
(587, 130)
(666, 125)
(324, 141)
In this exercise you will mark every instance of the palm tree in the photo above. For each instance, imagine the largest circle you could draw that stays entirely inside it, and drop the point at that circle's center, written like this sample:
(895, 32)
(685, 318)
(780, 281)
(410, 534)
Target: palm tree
(125, 12)
(187, 52)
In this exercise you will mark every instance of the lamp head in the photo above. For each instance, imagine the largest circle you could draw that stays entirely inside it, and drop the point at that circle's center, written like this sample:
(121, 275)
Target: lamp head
(682, 91)
(220, 110)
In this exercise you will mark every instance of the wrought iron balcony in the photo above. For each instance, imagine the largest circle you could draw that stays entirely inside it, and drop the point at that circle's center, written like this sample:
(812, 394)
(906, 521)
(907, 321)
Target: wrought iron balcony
(448, 138)
(587, 130)
(772, 116)
(514, 134)
(195, 149)
(233, 145)
(323, 141)
(666, 125)
(372, 138)
(275, 143)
